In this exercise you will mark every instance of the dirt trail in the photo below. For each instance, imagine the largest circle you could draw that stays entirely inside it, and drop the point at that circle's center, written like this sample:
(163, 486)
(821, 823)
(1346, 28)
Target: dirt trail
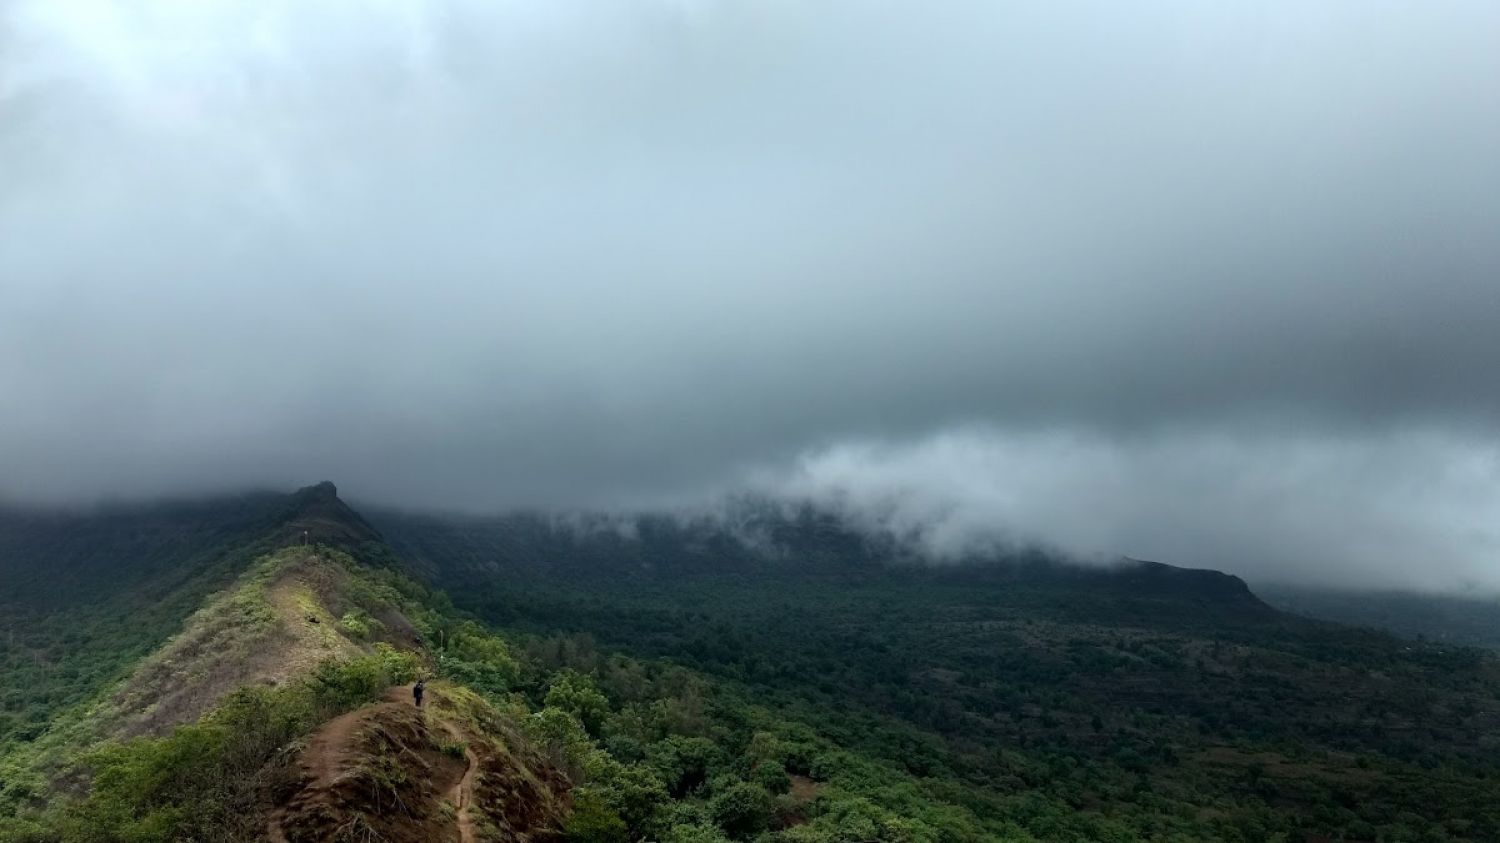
(329, 748)
(334, 749)
(462, 794)
(324, 758)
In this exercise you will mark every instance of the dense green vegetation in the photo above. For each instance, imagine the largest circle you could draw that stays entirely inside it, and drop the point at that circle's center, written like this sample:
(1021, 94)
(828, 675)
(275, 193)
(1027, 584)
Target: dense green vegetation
(206, 781)
(203, 780)
(799, 691)
(658, 751)
(1060, 706)
(655, 751)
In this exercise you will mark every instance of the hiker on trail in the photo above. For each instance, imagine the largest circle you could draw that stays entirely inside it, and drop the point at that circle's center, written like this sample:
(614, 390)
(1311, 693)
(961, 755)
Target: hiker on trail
(417, 689)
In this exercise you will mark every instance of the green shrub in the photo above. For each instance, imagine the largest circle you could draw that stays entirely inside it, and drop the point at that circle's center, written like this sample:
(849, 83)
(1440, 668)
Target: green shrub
(684, 764)
(349, 683)
(399, 666)
(633, 792)
(593, 821)
(771, 776)
(742, 809)
(563, 738)
(200, 781)
(477, 659)
(357, 624)
(705, 833)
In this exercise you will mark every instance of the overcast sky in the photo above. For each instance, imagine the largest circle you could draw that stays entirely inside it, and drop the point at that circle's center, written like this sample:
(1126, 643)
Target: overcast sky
(1211, 283)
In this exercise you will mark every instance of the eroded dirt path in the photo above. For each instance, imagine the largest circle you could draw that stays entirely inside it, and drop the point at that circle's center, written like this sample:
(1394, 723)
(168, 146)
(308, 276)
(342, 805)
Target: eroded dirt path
(334, 749)
(326, 757)
(328, 750)
(462, 794)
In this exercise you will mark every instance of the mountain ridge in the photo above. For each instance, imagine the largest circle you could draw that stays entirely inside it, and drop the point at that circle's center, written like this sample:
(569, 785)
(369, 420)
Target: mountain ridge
(201, 738)
(656, 682)
(809, 543)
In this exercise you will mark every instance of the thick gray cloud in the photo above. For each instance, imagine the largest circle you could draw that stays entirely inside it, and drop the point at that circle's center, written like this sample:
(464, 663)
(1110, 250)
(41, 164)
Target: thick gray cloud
(1397, 510)
(594, 253)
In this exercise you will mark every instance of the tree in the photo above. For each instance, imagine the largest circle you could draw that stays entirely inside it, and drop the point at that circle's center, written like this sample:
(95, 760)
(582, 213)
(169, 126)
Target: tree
(593, 821)
(772, 776)
(697, 833)
(683, 763)
(476, 658)
(632, 792)
(577, 694)
(743, 809)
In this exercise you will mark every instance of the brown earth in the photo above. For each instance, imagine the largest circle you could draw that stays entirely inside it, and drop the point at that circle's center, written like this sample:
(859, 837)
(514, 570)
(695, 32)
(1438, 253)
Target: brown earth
(393, 772)
(462, 794)
(803, 791)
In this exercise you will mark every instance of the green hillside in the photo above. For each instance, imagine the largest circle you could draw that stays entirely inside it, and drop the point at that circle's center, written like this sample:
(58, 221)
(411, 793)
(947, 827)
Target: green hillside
(84, 594)
(674, 682)
(1140, 702)
(1469, 620)
(217, 734)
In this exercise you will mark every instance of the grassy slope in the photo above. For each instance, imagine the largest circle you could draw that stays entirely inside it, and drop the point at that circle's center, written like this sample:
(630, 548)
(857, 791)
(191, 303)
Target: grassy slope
(289, 616)
(84, 595)
(240, 636)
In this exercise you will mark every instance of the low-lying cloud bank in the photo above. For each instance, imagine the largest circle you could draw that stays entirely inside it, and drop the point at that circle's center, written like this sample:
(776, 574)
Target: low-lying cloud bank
(1218, 280)
(1393, 511)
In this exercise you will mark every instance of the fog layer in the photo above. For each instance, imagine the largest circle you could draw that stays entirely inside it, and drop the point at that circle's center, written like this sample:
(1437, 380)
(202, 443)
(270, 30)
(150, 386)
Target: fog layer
(1213, 283)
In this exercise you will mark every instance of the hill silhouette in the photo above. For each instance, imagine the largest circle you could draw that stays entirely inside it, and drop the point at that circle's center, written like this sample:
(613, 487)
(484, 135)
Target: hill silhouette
(761, 540)
(319, 515)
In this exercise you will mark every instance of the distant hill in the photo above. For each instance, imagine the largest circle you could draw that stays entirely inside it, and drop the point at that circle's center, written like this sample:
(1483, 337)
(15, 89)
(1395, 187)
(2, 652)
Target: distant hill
(59, 557)
(1465, 620)
(761, 540)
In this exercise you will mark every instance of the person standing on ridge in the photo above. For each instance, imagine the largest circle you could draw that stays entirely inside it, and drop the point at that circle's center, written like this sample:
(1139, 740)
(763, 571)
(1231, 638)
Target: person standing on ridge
(417, 689)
